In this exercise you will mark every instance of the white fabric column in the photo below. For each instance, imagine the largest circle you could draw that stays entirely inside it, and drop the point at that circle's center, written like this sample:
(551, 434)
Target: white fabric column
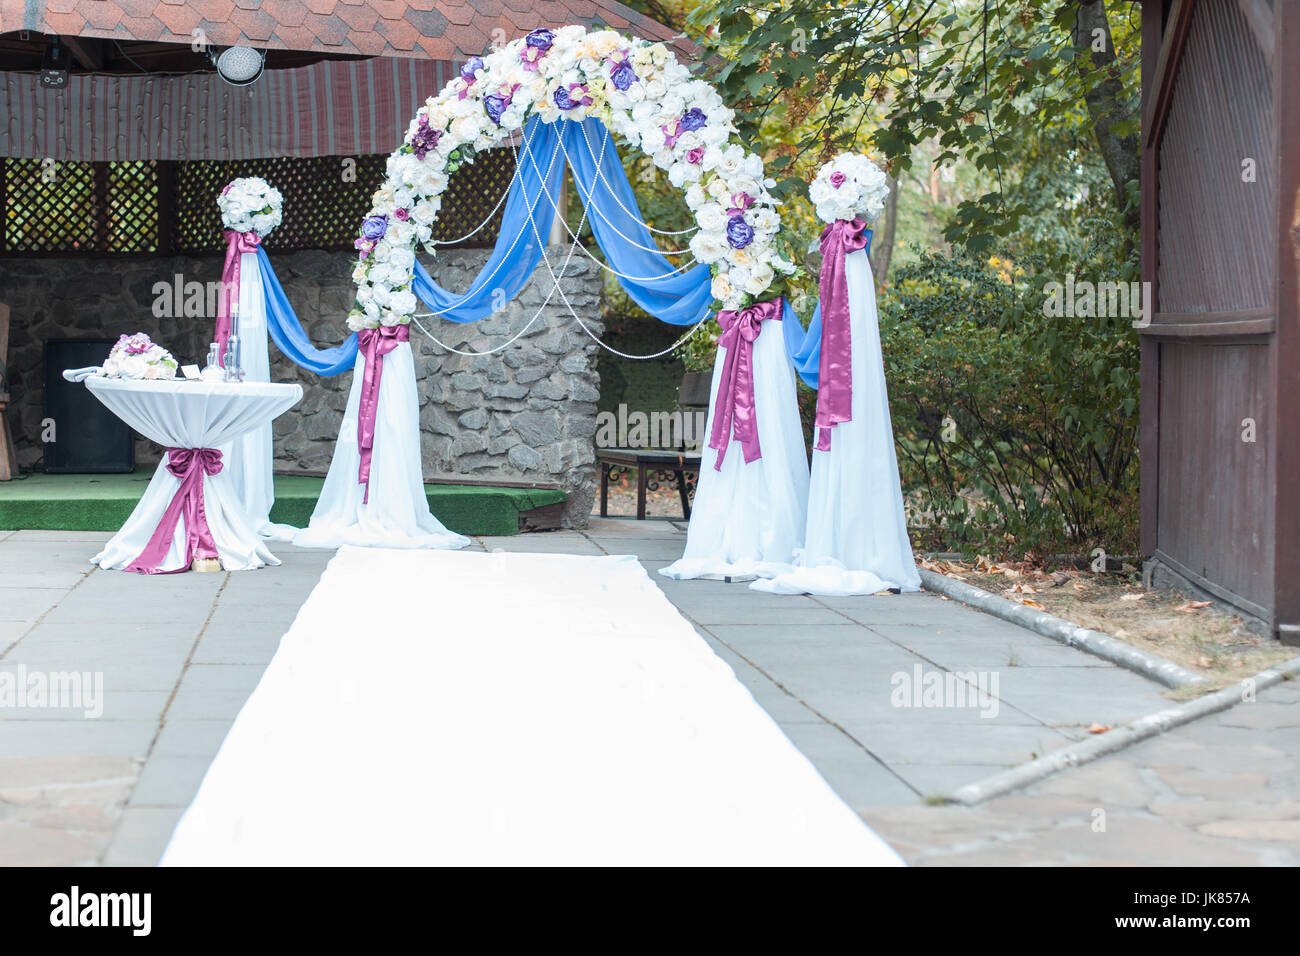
(748, 519)
(397, 514)
(249, 458)
(856, 540)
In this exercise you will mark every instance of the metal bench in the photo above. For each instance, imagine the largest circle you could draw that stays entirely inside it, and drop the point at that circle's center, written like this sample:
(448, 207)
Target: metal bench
(692, 394)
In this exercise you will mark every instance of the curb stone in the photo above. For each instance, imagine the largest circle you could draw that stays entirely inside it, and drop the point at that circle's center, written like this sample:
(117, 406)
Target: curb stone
(1124, 736)
(1096, 643)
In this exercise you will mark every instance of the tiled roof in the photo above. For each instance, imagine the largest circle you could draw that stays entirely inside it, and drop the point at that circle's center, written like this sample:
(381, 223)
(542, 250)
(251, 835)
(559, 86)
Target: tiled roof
(439, 29)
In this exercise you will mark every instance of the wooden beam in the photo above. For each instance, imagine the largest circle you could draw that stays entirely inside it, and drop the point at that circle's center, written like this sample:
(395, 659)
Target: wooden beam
(1285, 451)
(1149, 376)
(89, 51)
(1173, 39)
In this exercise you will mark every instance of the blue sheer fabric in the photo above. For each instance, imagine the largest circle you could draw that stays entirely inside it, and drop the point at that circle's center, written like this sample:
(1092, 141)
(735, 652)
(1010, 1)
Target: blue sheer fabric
(650, 280)
(671, 295)
(525, 227)
(288, 334)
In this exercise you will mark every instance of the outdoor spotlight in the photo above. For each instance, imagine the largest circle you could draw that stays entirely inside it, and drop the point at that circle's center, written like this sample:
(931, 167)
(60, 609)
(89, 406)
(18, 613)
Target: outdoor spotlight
(54, 68)
(239, 65)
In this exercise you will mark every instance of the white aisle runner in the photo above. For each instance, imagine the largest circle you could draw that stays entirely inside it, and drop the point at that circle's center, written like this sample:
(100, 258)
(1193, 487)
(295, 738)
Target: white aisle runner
(430, 707)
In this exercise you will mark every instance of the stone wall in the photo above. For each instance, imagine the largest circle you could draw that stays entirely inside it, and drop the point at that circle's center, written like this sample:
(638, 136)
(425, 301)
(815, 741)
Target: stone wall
(524, 414)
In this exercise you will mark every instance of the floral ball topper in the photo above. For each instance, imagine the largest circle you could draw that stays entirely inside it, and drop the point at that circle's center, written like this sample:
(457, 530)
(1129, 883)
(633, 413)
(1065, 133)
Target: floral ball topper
(849, 186)
(641, 94)
(250, 204)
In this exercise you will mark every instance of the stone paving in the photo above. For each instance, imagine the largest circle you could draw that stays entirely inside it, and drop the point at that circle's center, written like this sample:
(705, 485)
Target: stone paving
(878, 692)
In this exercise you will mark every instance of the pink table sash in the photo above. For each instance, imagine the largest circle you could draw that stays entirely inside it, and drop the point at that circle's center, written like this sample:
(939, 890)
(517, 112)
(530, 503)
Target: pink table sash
(190, 465)
(734, 412)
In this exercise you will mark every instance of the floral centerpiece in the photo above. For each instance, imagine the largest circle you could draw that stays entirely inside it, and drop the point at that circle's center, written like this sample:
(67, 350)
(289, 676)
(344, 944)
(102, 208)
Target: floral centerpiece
(850, 186)
(137, 357)
(641, 94)
(250, 204)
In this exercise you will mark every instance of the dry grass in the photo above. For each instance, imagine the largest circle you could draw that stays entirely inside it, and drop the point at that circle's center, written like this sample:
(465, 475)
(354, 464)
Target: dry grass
(1192, 633)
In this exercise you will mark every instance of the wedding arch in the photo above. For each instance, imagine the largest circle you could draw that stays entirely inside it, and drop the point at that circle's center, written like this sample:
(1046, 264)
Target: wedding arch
(555, 97)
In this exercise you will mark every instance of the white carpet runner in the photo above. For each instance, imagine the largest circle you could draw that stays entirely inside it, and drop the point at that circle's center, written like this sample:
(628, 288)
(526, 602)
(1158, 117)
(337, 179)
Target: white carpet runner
(429, 707)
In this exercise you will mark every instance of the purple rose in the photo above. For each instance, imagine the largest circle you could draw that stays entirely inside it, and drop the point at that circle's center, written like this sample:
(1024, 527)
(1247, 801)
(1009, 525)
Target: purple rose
(672, 133)
(622, 76)
(495, 104)
(693, 119)
(563, 100)
(472, 65)
(374, 227)
(425, 138)
(540, 39)
(402, 214)
(838, 179)
(739, 233)
(695, 156)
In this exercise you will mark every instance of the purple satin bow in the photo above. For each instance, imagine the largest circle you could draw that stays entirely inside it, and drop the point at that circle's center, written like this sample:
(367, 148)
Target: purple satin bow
(189, 465)
(733, 410)
(835, 376)
(237, 243)
(374, 345)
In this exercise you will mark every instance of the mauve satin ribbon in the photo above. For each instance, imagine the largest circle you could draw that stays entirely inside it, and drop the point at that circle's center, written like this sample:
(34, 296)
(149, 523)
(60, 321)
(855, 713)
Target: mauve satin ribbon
(374, 345)
(237, 243)
(835, 376)
(189, 465)
(733, 410)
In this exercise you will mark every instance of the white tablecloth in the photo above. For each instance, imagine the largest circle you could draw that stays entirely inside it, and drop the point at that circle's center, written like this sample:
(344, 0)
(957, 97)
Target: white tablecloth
(181, 414)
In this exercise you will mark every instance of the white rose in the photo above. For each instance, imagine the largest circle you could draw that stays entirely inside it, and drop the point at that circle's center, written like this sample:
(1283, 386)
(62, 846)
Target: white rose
(722, 289)
(404, 302)
(707, 247)
(712, 218)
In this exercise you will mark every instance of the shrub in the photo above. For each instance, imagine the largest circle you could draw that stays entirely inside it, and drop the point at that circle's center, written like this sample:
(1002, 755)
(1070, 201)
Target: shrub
(1016, 432)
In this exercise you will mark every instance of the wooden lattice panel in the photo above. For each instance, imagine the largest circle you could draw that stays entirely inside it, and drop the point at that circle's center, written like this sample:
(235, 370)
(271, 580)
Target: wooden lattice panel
(325, 199)
(80, 207)
(472, 194)
(166, 208)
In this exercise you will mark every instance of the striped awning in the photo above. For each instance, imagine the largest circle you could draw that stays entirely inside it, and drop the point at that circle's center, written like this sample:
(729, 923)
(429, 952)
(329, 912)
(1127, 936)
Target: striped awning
(332, 108)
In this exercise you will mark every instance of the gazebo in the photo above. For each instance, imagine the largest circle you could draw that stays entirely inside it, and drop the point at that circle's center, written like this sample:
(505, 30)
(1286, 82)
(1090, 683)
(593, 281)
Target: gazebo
(119, 131)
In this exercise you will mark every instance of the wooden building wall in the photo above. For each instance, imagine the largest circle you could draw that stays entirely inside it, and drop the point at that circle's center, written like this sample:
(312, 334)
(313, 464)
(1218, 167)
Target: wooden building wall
(1220, 359)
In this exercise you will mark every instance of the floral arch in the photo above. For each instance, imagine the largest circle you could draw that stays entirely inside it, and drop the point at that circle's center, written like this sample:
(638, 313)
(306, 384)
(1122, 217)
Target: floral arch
(641, 93)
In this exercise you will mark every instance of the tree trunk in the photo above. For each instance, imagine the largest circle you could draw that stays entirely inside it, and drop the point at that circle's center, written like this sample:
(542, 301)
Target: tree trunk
(1107, 106)
(882, 245)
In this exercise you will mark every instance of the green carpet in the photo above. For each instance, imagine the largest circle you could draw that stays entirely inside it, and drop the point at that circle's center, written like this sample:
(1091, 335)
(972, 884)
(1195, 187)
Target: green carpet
(103, 502)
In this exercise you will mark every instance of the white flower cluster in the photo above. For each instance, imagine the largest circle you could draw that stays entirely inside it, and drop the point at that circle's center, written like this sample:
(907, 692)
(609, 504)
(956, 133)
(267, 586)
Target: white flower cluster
(251, 205)
(642, 95)
(849, 186)
(136, 356)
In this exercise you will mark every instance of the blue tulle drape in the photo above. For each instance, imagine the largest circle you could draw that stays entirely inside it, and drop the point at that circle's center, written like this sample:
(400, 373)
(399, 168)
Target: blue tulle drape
(525, 227)
(631, 252)
(650, 280)
(288, 333)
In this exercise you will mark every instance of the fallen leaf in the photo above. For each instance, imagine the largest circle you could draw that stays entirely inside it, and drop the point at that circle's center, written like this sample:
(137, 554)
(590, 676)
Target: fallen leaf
(1120, 633)
(1204, 662)
(1030, 602)
(1193, 606)
(1059, 578)
(1133, 597)
(1099, 728)
(1078, 587)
